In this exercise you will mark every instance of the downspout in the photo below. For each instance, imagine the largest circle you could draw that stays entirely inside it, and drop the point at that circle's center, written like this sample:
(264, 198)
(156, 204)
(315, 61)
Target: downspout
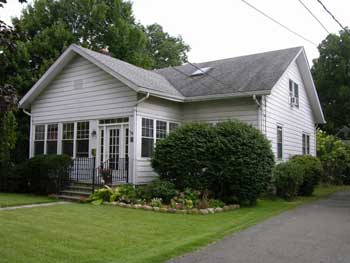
(259, 115)
(30, 131)
(135, 136)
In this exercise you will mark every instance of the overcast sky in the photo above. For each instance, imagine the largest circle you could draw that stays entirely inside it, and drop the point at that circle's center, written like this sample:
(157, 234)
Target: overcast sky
(227, 28)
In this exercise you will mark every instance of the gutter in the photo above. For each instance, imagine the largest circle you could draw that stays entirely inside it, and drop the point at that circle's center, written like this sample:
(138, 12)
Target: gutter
(256, 100)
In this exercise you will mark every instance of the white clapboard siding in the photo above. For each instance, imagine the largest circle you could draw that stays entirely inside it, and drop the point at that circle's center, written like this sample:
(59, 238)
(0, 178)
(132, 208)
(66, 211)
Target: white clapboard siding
(158, 109)
(244, 109)
(82, 91)
(294, 120)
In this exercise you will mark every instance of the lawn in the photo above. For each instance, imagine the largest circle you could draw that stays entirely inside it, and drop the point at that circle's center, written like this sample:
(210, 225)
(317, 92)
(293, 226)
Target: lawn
(9, 199)
(87, 233)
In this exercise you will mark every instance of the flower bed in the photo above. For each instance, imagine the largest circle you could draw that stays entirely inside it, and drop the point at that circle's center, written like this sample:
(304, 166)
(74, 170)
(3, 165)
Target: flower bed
(168, 209)
(160, 196)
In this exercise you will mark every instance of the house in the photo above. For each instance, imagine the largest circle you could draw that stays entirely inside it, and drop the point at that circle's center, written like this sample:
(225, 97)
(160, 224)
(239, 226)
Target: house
(90, 104)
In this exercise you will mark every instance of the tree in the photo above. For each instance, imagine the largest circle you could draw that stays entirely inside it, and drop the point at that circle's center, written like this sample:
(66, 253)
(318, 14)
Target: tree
(331, 73)
(164, 49)
(47, 27)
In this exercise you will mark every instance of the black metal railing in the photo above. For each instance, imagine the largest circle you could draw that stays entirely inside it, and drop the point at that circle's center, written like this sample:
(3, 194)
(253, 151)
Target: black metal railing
(84, 170)
(118, 169)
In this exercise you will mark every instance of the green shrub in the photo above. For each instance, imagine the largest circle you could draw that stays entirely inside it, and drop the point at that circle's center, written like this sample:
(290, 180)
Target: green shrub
(232, 160)
(41, 174)
(157, 189)
(156, 202)
(126, 193)
(182, 157)
(216, 203)
(241, 163)
(334, 156)
(105, 194)
(287, 178)
(313, 171)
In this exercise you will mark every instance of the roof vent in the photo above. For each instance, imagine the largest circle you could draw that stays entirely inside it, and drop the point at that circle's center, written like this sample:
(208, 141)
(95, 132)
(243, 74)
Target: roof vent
(201, 71)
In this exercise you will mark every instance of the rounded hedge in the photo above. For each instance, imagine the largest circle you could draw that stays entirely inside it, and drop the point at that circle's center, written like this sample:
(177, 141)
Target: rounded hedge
(287, 178)
(313, 171)
(232, 160)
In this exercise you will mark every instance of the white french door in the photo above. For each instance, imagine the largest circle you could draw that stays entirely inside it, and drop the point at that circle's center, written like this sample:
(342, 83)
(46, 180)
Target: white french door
(113, 145)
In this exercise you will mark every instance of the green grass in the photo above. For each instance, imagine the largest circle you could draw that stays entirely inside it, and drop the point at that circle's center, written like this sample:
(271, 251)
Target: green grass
(87, 233)
(9, 199)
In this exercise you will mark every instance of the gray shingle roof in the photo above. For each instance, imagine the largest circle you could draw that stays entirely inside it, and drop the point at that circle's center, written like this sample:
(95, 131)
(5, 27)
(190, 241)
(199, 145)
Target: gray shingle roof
(140, 77)
(250, 73)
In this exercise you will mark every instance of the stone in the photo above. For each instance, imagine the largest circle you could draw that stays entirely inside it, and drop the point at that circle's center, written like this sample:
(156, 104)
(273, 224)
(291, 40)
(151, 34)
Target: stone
(236, 206)
(171, 210)
(211, 210)
(137, 206)
(218, 210)
(194, 211)
(156, 209)
(147, 207)
(226, 208)
(163, 209)
(180, 211)
(203, 211)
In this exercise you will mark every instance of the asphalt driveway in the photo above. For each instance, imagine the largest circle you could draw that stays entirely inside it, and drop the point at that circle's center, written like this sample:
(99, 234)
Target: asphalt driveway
(316, 232)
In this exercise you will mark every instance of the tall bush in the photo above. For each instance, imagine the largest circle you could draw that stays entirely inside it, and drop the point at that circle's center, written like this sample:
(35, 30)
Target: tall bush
(334, 157)
(233, 160)
(183, 157)
(312, 171)
(41, 174)
(242, 162)
(287, 178)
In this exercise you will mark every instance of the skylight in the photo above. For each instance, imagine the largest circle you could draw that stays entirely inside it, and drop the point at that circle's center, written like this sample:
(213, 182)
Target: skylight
(201, 71)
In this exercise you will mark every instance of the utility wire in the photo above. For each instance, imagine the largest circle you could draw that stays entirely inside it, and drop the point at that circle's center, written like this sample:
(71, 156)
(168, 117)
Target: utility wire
(302, 3)
(336, 20)
(278, 23)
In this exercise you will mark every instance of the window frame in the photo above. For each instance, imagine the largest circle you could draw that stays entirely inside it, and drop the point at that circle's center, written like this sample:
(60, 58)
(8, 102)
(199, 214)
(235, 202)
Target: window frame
(305, 148)
(151, 136)
(279, 128)
(294, 92)
(49, 140)
(63, 139)
(78, 139)
(155, 137)
(39, 140)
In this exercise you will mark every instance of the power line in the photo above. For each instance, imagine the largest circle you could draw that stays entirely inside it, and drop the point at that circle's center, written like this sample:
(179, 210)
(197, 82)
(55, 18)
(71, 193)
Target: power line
(302, 3)
(336, 20)
(278, 23)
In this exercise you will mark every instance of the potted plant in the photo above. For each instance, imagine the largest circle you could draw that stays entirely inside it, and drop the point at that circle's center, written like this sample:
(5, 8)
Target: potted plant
(106, 174)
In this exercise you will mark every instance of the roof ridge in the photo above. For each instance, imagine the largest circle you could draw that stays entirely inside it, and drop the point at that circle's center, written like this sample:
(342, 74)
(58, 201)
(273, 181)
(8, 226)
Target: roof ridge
(226, 59)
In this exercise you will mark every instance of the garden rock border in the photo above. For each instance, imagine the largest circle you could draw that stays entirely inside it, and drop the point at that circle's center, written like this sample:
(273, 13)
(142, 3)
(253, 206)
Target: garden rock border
(193, 211)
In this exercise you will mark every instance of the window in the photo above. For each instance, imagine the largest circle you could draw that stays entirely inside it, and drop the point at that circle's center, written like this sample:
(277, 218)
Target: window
(306, 144)
(279, 143)
(147, 137)
(110, 121)
(39, 139)
(160, 129)
(82, 143)
(52, 136)
(172, 126)
(201, 71)
(101, 146)
(294, 93)
(68, 139)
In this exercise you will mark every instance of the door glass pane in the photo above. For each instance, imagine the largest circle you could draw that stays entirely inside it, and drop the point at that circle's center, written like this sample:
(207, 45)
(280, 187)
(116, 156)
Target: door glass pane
(102, 146)
(114, 143)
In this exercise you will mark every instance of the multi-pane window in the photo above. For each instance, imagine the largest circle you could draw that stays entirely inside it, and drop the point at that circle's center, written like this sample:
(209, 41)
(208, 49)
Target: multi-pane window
(102, 146)
(147, 144)
(68, 138)
(82, 142)
(279, 143)
(52, 137)
(306, 144)
(160, 129)
(172, 126)
(39, 139)
(294, 93)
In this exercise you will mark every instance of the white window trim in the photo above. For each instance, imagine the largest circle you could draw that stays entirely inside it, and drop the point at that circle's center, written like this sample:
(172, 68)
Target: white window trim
(292, 93)
(282, 132)
(154, 133)
(307, 135)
